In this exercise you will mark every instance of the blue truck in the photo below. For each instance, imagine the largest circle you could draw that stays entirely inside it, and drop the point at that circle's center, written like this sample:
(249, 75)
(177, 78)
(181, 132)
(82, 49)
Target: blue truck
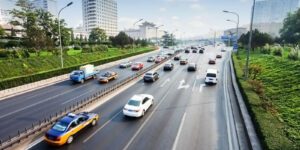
(84, 73)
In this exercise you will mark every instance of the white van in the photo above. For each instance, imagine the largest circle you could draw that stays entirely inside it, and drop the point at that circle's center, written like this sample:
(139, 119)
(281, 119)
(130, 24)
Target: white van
(211, 76)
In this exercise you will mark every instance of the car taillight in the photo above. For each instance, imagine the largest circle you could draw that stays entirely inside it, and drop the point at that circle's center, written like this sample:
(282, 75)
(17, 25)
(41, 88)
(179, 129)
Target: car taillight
(57, 139)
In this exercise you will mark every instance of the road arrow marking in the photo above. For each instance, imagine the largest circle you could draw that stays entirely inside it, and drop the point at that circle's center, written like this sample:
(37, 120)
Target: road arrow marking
(182, 86)
(201, 87)
(168, 80)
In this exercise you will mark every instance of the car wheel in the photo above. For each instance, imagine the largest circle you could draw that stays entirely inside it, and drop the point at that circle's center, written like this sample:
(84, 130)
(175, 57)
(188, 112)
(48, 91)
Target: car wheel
(94, 122)
(70, 139)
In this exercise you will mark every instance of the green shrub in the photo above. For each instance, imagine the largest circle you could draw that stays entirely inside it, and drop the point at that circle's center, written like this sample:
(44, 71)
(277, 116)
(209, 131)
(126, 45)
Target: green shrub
(4, 53)
(99, 48)
(77, 47)
(87, 49)
(257, 86)
(277, 50)
(293, 54)
(266, 49)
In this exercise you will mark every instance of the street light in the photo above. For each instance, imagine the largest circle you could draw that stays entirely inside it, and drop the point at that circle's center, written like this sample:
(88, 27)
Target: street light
(59, 32)
(156, 28)
(250, 41)
(138, 33)
(237, 22)
(230, 32)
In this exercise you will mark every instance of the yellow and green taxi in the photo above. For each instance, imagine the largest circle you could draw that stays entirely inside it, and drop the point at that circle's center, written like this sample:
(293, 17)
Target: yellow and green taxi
(63, 131)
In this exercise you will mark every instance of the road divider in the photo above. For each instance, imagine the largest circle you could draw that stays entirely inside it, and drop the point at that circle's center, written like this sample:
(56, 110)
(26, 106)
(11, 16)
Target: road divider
(45, 123)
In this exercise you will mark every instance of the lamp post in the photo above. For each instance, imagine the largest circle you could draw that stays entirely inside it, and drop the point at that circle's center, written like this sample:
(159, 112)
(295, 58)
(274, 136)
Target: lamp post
(230, 32)
(249, 42)
(237, 22)
(172, 34)
(156, 28)
(59, 32)
(138, 33)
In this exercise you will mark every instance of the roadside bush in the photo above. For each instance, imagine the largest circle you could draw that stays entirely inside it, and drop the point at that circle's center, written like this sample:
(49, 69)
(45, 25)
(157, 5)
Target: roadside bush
(293, 54)
(266, 49)
(257, 87)
(77, 47)
(99, 48)
(87, 49)
(11, 44)
(254, 71)
(4, 53)
(277, 51)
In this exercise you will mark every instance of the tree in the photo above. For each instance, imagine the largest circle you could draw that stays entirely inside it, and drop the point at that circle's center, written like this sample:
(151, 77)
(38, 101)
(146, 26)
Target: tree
(97, 35)
(2, 32)
(290, 31)
(122, 39)
(259, 39)
(168, 39)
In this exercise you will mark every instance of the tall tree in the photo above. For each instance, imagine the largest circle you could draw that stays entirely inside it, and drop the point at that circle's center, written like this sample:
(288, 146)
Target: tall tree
(259, 39)
(168, 39)
(2, 32)
(290, 32)
(97, 35)
(122, 39)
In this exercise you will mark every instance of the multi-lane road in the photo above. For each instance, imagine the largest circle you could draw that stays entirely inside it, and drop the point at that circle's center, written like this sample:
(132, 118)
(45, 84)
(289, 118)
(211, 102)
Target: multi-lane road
(186, 113)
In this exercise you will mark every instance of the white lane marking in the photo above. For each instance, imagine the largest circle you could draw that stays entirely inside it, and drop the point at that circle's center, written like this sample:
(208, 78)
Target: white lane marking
(165, 82)
(174, 147)
(75, 98)
(201, 87)
(198, 77)
(182, 86)
(34, 104)
(107, 122)
(31, 145)
(194, 85)
(144, 123)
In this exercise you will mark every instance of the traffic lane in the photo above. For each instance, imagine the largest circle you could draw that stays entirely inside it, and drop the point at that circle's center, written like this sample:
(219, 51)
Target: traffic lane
(62, 88)
(110, 110)
(205, 120)
(32, 113)
(161, 130)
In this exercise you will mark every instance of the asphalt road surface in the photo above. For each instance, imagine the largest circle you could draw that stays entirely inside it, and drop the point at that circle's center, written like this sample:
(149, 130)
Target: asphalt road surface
(186, 113)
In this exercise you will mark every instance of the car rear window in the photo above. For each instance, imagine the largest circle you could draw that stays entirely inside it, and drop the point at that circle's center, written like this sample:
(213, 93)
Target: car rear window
(148, 74)
(211, 75)
(134, 103)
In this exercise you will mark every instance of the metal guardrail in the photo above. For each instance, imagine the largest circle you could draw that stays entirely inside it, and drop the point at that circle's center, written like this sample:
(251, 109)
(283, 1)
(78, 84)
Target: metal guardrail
(248, 125)
(46, 122)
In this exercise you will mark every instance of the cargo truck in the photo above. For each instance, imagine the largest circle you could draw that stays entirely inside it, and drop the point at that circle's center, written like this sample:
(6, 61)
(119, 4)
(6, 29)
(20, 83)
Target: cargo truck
(84, 73)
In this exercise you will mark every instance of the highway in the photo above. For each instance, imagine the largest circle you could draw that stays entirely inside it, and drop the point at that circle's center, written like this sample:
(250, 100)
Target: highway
(186, 113)
(19, 112)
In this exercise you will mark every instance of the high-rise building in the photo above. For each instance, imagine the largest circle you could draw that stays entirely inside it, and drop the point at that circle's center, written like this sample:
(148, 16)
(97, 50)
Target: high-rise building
(47, 5)
(269, 14)
(102, 14)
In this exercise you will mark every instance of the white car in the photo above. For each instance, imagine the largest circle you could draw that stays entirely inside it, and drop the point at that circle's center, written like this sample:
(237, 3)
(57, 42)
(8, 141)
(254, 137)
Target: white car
(138, 105)
(211, 76)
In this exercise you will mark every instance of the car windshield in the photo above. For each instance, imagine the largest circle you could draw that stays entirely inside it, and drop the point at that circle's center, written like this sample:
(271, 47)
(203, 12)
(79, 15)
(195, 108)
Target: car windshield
(211, 75)
(60, 126)
(148, 74)
(107, 74)
(168, 65)
(134, 103)
(76, 72)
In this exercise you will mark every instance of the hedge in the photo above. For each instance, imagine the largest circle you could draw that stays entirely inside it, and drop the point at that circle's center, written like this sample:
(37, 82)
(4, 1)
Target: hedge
(13, 82)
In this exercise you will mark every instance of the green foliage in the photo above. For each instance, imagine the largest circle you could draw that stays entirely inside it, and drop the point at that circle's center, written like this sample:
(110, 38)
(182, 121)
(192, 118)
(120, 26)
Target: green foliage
(266, 49)
(294, 54)
(277, 50)
(168, 39)
(276, 113)
(257, 86)
(77, 47)
(22, 71)
(2, 32)
(290, 32)
(121, 40)
(97, 35)
(254, 71)
(259, 39)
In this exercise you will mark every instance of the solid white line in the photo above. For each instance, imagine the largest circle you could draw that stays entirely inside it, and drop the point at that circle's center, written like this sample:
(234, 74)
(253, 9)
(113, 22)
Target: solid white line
(174, 147)
(75, 98)
(144, 123)
(201, 87)
(107, 122)
(194, 85)
(35, 143)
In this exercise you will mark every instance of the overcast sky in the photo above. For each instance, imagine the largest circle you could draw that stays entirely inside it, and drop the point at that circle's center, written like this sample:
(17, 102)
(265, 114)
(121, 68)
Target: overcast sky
(190, 17)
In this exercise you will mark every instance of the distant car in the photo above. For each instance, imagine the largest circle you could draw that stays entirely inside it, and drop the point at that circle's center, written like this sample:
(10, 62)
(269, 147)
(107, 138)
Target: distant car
(137, 66)
(158, 60)
(125, 64)
(168, 66)
(192, 67)
(150, 59)
(64, 130)
(193, 47)
(219, 55)
(187, 51)
(138, 105)
(211, 76)
(212, 61)
(201, 51)
(223, 50)
(170, 53)
(151, 76)
(183, 61)
(194, 50)
(108, 76)
(177, 58)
